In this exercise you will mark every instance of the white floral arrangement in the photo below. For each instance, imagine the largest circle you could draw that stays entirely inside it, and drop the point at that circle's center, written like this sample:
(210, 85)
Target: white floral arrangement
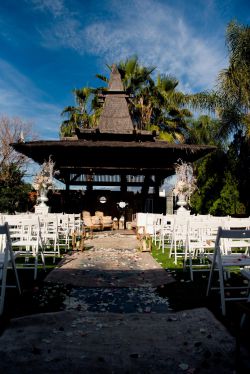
(185, 181)
(44, 179)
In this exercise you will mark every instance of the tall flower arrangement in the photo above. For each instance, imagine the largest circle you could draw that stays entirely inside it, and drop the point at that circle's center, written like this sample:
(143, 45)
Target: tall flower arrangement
(185, 181)
(43, 180)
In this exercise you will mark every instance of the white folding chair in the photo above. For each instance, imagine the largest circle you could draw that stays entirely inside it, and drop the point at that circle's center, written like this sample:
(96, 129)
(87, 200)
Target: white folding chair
(26, 238)
(178, 238)
(157, 227)
(222, 262)
(7, 259)
(50, 235)
(63, 230)
(166, 231)
(200, 243)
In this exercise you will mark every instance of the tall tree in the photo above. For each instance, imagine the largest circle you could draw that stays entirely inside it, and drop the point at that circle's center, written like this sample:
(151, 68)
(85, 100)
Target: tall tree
(204, 130)
(13, 190)
(153, 104)
(169, 111)
(13, 130)
(231, 103)
(84, 114)
(234, 82)
(230, 100)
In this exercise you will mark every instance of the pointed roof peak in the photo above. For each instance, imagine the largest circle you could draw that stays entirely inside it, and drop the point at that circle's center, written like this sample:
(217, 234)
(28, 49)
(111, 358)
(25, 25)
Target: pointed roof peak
(114, 68)
(115, 81)
(115, 117)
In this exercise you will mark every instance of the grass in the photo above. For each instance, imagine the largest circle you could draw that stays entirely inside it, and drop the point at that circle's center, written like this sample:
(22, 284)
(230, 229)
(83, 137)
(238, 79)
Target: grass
(164, 260)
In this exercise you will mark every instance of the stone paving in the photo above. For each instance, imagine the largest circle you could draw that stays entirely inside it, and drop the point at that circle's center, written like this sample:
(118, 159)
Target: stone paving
(112, 261)
(114, 321)
(112, 275)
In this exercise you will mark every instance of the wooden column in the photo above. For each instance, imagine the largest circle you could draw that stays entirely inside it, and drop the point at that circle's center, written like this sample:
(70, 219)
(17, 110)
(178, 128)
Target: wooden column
(145, 186)
(67, 190)
(157, 186)
(123, 184)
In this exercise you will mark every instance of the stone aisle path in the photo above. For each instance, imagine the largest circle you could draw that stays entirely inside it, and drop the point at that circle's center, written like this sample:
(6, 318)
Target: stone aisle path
(112, 275)
(114, 322)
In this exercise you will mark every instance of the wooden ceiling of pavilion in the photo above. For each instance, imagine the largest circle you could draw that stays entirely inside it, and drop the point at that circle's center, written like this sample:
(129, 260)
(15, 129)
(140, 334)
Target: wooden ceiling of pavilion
(115, 147)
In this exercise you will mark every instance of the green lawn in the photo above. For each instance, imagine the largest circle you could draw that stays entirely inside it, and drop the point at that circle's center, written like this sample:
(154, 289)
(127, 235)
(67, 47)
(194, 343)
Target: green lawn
(164, 260)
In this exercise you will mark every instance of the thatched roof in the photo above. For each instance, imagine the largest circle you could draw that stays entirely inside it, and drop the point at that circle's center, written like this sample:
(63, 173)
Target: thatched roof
(113, 156)
(115, 117)
(115, 82)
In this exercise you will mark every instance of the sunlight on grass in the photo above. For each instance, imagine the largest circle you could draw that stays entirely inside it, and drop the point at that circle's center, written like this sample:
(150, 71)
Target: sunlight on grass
(164, 260)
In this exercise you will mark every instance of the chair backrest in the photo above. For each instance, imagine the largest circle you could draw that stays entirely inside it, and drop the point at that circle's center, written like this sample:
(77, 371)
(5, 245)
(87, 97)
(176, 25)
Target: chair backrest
(99, 213)
(85, 213)
(232, 234)
(5, 241)
(5, 251)
(243, 223)
(25, 230)
(49, 224)
(229, 234)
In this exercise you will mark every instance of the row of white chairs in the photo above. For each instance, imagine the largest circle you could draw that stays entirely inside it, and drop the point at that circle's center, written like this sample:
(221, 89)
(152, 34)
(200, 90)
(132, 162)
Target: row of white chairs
(55, 228)
(32, 237)
(218, 243)
(36, 236)
(188, 235)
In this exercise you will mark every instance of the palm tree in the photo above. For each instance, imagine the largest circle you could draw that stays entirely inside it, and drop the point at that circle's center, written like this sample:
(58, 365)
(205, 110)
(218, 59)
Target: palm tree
(204, 130)
(234, 82)
(231, 98)
(84, 114)
(169, 112)
(153, 105)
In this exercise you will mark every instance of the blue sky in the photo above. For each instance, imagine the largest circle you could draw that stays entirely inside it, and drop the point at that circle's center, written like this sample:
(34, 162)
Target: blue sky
(49, 47)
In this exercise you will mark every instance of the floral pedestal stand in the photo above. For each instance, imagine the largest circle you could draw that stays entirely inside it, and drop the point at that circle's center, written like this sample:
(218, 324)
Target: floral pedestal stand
(182, 203)
(43, 197)
(42, 208)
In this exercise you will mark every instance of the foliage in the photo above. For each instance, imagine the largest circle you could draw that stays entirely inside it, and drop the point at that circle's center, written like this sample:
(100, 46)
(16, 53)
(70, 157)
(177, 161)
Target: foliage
(228, 202)
(234, 82)
(205, 130)
(13, 191)
(85, 114)
(230, 100)
(222, 182)
(13, 130)
(223, 177)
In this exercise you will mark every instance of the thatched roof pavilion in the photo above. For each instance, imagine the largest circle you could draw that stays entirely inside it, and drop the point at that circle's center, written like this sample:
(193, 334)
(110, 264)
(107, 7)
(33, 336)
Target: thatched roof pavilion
(115, 153)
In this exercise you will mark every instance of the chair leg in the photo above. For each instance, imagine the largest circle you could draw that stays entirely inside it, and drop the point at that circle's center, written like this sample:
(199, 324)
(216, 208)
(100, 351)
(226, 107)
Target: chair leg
(210, 277)
(3, 289)
(222, 292)
(36, 264)
(17, 278)
(191, 267)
